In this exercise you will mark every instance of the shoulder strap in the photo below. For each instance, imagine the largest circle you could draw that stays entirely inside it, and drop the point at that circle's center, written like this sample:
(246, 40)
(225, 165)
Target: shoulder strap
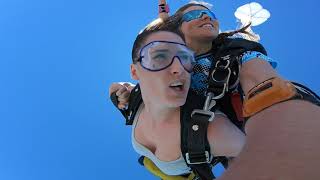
(227, 55)
(226, 68)
(195, 147)
(231, 44)
(135, 101)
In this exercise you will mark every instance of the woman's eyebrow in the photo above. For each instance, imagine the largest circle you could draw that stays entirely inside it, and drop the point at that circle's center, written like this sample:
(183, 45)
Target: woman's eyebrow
(160, 50)
(182, 52)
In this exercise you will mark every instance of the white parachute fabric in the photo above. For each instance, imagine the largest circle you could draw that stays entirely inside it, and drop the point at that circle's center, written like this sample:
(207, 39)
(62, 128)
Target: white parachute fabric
(252, 12)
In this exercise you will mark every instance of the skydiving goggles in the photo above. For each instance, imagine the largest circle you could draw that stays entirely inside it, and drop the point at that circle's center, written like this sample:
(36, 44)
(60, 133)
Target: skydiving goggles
(158, 55)
(196, 14)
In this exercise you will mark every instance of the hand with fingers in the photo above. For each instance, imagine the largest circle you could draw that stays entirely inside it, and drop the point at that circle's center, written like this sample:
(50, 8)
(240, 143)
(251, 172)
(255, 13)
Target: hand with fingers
(121, 91)
(163, 9)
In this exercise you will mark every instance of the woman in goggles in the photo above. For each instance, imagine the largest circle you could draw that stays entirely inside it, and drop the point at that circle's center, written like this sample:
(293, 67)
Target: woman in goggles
(162, 64)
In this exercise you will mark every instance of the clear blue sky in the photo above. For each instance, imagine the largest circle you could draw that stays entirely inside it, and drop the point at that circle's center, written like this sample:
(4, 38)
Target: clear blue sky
(57, 59)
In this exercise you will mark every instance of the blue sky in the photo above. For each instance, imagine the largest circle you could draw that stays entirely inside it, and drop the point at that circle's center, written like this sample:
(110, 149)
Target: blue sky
(58, 58)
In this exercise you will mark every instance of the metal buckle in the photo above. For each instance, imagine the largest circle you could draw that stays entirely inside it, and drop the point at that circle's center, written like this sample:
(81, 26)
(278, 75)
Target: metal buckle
(208, 101)
(206, 154)
(225, 84)
(226, 80)
(224, 67)
(203, 112)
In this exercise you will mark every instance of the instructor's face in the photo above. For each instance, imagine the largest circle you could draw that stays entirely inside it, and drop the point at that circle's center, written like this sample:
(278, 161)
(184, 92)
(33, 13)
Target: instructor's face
(204, 27)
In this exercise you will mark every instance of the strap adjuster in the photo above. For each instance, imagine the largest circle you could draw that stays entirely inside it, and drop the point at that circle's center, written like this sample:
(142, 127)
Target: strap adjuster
(201, 112)
(198, 158)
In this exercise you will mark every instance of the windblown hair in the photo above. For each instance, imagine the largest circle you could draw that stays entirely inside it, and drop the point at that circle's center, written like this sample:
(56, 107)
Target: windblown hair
(155, 26)
(175, 21)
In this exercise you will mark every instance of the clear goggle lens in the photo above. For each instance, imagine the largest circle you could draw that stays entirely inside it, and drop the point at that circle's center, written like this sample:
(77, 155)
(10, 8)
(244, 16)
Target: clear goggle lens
(158, 55)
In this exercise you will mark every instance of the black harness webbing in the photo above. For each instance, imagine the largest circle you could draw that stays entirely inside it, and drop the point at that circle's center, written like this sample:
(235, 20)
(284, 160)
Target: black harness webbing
(195, 147)
(196, 113)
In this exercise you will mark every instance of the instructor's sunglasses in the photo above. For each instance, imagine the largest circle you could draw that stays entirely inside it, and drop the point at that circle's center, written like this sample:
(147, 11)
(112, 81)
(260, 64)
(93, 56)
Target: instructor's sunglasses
(159, 55)
(196, 14)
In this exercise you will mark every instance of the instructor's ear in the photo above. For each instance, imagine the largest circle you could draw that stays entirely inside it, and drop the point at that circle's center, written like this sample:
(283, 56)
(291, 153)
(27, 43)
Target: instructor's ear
(133, 70)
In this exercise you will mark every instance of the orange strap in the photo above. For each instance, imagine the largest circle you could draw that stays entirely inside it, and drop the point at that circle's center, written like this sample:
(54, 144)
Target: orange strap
(266, 94)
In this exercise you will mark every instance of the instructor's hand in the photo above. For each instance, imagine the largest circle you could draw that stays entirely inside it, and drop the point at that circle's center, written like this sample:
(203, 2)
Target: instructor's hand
(122, 91)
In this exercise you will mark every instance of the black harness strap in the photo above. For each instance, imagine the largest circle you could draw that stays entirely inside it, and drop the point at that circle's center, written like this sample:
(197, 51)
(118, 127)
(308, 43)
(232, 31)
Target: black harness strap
(196, 116)
(198, 156)
(195, 147)
(306, 94)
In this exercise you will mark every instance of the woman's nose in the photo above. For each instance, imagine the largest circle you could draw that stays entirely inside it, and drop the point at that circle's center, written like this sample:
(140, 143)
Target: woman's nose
(176, 66)
(205, 16)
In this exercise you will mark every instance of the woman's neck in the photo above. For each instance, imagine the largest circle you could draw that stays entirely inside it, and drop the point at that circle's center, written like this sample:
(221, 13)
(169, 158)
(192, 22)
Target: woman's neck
(159, 114)
(199, 47)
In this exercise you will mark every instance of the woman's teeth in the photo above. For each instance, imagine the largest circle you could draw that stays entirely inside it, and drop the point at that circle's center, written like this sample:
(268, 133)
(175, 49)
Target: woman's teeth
(177, 86)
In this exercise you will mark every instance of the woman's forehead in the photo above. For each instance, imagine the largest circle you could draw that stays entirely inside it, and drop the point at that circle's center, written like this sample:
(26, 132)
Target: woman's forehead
(164, 36)
(194, 7)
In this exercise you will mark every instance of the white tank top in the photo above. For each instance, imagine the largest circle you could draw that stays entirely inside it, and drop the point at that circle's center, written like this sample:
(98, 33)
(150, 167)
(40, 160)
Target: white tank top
(176, 167)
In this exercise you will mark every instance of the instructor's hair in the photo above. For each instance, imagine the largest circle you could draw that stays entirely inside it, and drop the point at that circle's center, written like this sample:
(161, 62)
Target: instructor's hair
(155, 26)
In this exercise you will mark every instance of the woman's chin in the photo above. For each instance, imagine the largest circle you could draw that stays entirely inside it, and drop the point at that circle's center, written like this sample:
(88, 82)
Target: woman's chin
(208, 35)
(177, 102)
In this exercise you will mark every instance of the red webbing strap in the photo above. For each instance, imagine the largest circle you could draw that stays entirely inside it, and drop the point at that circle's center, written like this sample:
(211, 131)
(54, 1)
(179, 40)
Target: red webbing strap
(237, 105)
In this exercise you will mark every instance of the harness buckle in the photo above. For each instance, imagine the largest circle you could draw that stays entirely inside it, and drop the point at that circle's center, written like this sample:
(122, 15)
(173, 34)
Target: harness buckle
(202, 112)
(222, 66)
(198, 158)
(224, 81)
